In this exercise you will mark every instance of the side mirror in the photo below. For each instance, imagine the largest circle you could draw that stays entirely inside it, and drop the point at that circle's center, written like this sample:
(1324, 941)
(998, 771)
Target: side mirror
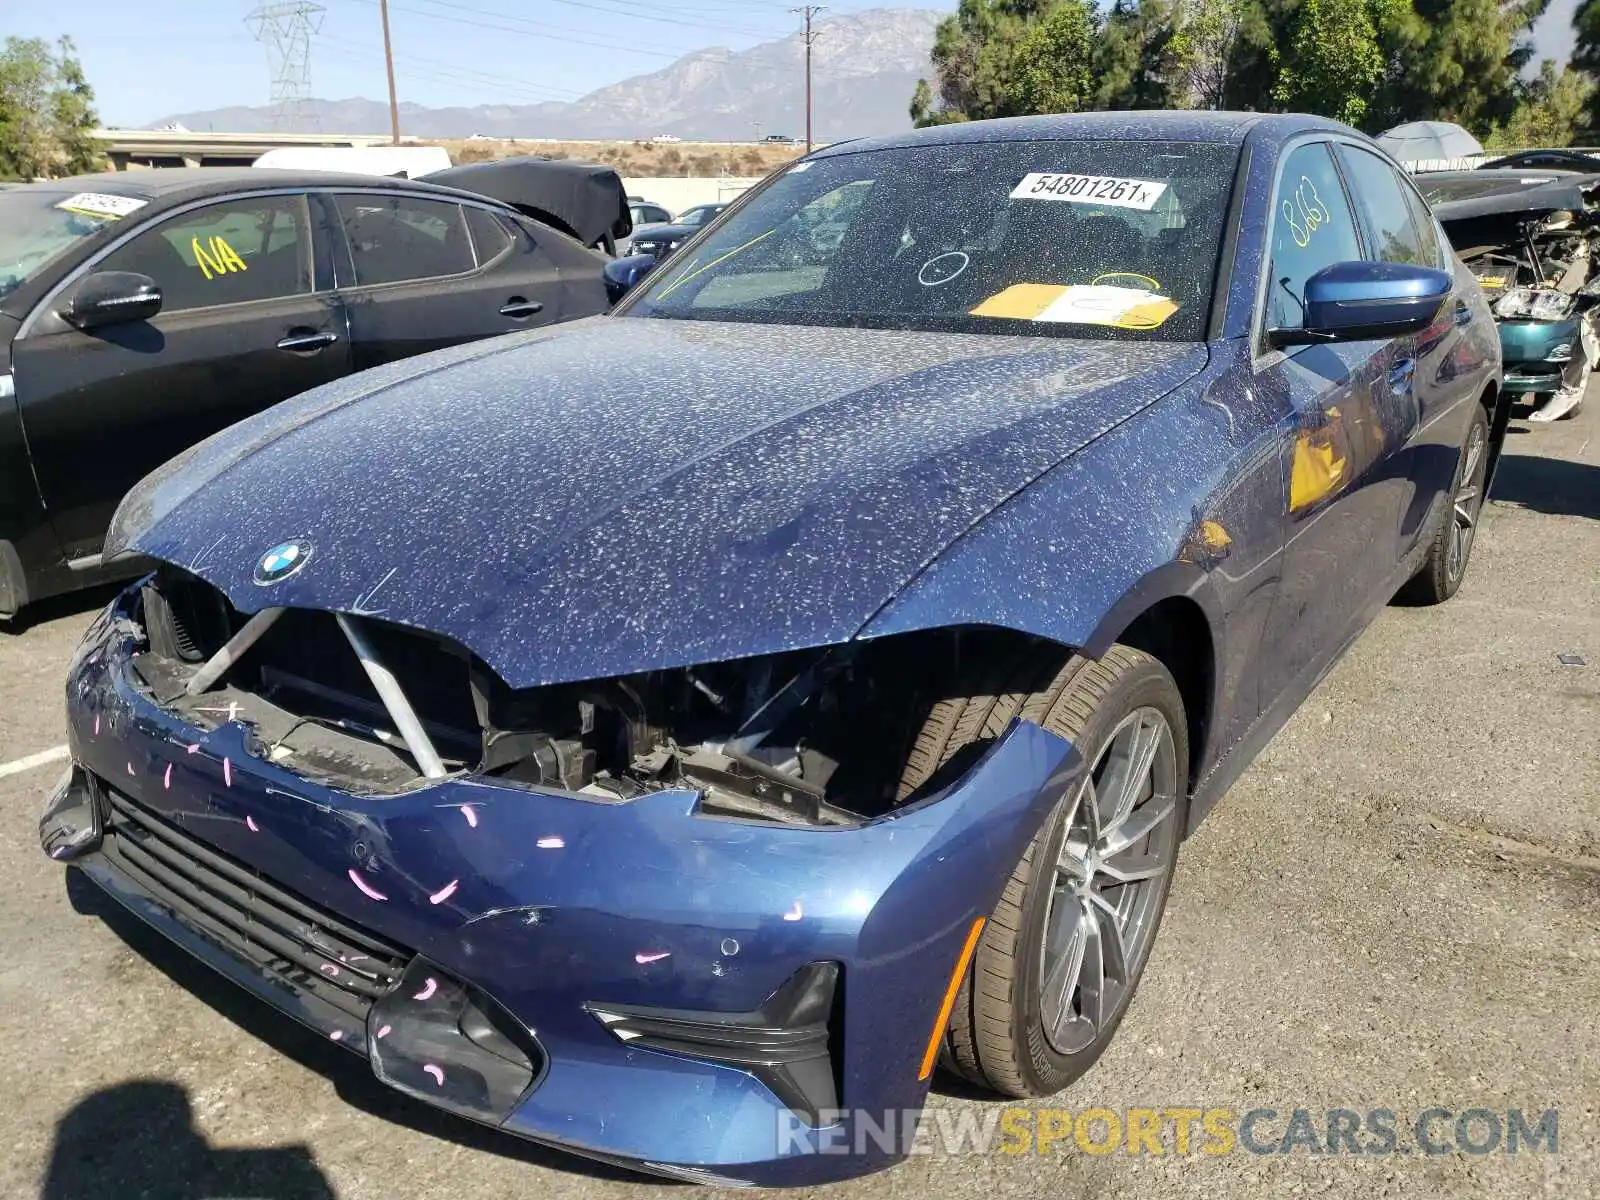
(1354, 301)
(622, 274)
(111, 298)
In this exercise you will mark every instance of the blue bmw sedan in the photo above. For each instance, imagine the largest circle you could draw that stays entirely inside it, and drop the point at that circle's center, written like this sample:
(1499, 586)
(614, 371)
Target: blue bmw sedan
(675, 735)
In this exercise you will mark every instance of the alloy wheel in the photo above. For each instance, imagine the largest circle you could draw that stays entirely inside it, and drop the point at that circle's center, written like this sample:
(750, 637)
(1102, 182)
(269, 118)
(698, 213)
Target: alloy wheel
(1117, 850)
(1467, 502)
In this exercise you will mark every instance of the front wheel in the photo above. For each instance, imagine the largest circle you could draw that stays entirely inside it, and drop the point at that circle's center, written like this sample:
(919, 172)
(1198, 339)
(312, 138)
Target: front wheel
(1059, 959)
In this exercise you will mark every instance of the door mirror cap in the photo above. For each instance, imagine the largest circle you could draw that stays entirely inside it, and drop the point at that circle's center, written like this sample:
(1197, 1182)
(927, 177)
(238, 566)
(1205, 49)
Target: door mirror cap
(622, 274)
(111, 298)
(1357, 301)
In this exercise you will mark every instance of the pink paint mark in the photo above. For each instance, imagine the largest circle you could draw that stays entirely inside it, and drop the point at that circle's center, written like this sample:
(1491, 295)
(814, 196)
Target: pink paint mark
(336, 1036)
(366, 888)
(250, 824)
(166, 779)
(444, 893)
(472, 817)
(651, 956)
(428, 989)
(550, 843)
(794, 913)
(329, 970)
(436, 1071)
(384, 1032)
(130, 768)
(97, 724)
(227, 772)
(193, 748)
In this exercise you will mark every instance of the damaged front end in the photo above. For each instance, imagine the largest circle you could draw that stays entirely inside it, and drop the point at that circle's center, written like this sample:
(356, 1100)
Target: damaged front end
(695, 920)
(1534, 253)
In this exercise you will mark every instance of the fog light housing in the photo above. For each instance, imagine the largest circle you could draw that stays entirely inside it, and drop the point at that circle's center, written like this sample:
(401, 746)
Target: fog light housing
(445, 1042)
(71, 824)
(788, 1043)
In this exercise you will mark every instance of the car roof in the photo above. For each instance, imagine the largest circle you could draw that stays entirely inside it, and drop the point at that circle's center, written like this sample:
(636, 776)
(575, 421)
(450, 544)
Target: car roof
(172, 185)
(1228, 128)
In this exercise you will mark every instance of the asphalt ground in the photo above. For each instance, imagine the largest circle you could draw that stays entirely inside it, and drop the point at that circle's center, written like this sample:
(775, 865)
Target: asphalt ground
(1397, 907)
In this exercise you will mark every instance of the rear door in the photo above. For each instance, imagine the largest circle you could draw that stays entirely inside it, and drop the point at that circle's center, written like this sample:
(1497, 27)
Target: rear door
(1424, 407)
(1339, 535)
(248, 319)
(420, 273)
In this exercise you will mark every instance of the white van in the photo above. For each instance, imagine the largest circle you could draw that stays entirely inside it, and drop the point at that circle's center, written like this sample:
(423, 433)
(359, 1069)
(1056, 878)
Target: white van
(408, 162)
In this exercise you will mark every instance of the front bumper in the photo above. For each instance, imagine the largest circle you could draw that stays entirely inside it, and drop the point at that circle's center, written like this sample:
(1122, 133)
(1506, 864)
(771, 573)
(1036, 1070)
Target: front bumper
(1526, 348)
(567, 924)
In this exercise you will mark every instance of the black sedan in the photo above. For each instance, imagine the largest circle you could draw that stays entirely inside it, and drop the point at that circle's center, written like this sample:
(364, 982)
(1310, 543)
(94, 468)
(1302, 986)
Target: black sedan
(140, 313)
(659, 240)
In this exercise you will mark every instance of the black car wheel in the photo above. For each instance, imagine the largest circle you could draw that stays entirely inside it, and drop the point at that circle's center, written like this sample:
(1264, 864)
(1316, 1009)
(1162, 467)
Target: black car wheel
(1446, 564)
(1061, 955)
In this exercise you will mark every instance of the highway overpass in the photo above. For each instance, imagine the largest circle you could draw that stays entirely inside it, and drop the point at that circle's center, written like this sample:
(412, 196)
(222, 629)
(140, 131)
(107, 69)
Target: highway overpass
(136, 148)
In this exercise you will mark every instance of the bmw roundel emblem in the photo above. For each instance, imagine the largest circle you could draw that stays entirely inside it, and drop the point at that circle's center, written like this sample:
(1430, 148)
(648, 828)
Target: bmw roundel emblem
(282, 561)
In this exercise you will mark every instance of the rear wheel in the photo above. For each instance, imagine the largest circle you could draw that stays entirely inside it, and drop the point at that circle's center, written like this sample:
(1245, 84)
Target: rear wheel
(1446, 565)
(1061, 955)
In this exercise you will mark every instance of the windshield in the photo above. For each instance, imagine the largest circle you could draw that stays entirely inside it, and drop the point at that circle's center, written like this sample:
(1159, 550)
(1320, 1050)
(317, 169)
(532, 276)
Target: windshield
(37, 226)
(1072, 238)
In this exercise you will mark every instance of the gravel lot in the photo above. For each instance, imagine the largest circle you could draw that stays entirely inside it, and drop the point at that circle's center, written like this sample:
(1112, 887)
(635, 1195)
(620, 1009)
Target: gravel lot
(1397, 907)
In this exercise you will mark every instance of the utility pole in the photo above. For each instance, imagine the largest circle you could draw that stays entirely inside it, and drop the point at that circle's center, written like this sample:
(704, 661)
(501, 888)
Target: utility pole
(388, 62)
(809, 11)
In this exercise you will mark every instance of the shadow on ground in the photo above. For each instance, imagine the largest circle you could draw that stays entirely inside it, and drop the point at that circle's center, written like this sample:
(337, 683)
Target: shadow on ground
(42, 612)
(350, 1075)
(1548, 485)
(138, 1139)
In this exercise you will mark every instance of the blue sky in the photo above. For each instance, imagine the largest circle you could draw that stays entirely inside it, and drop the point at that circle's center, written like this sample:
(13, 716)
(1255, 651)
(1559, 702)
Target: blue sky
(148, 60)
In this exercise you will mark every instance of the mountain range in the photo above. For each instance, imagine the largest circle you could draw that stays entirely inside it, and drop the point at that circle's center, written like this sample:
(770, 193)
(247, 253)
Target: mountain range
(864, 67)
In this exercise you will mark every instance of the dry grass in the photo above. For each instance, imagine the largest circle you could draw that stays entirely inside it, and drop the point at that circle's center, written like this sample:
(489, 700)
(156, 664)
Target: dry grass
(690, 160)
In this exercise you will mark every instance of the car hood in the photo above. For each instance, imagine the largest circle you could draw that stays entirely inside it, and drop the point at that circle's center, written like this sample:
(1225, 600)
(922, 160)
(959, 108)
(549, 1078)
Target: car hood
(624, 494)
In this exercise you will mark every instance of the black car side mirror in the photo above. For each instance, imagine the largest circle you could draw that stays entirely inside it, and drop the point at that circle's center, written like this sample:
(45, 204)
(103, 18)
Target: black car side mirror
(111, 298)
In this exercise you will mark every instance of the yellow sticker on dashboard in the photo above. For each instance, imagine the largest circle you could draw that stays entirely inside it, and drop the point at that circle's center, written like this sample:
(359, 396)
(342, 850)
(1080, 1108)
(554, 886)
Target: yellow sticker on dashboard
(1080, 304)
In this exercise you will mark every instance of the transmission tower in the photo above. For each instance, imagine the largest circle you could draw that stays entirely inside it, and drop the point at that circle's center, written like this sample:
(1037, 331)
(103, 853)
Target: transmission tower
(285, 27)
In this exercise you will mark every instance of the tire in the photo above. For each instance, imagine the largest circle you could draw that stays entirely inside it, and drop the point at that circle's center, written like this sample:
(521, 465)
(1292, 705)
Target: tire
(998, 1036)
(1451, 549)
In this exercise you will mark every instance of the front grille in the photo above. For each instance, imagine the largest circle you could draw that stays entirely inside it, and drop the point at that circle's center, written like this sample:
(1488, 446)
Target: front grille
(232, 905)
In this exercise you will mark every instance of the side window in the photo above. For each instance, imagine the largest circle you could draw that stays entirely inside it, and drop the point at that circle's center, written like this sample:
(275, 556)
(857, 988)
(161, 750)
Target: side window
(1392, 233)
(1312, 228)
(1436, 250)
(228, 253)
(399, 238)
(490, 238)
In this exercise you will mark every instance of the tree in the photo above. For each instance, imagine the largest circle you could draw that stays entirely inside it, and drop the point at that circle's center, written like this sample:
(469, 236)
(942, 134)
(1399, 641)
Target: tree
(1586, 55)
(1334, 64)
(1138, 63)
(1549, 111)
(46, 112)
(1007, 58)
(1204, 45)
(1455, 60)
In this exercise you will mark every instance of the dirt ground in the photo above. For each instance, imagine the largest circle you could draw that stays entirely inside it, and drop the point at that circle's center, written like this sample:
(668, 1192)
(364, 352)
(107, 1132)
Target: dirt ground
(699, 160)
(1397, 907)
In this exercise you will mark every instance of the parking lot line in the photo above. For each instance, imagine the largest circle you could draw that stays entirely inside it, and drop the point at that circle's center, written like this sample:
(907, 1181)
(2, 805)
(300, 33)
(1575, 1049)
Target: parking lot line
(43, 758)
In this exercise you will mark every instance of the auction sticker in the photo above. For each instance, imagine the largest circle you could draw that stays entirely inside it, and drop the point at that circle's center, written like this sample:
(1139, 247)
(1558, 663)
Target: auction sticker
(1090, 189)
(99, 204)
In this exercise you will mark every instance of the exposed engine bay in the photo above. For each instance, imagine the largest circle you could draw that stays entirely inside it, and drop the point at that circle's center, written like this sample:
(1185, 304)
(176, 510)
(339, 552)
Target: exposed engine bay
(803, 737)
(1526, 261)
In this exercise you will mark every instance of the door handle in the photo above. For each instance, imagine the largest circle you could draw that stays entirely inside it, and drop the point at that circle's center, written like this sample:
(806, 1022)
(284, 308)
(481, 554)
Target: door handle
(518, 307)
(301, 342)
(1401, 373)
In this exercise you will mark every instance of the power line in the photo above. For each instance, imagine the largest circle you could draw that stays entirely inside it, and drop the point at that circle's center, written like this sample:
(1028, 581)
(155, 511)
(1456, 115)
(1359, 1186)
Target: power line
(808, 12)
(411, 66)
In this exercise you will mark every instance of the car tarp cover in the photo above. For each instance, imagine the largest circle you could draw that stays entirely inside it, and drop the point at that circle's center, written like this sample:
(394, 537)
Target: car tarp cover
(585, 199)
